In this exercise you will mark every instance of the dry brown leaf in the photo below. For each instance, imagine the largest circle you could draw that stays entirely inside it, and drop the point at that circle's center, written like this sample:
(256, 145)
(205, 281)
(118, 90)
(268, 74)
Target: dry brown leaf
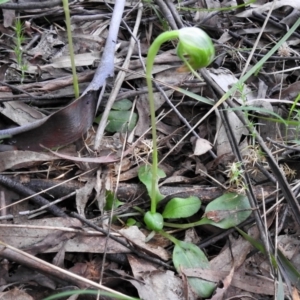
(135, 236)
(262, 8)
(253, 284)
(83, 194)
(22, 159)
(295, 294)
(201, 146)
(20, 112)
(220, 292)
(36, 230)
(9, 17)
(140, 266)
(100, 160)
(160, 285)
(15, 293)
(289, 93)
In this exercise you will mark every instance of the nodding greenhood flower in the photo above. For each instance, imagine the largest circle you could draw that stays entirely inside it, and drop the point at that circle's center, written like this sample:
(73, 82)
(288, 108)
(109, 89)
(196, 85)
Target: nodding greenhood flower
(197, 45)
(199, 49)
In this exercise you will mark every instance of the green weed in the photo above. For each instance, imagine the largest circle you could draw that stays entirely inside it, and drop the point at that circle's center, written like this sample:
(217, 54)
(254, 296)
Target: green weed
(19, 40)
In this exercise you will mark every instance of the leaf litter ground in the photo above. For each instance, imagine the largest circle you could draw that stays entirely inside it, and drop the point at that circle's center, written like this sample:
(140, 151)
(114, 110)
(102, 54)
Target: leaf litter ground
(82, 179)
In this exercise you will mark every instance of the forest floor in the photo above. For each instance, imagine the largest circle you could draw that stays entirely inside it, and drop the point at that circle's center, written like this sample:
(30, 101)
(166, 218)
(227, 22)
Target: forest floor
(72, 189)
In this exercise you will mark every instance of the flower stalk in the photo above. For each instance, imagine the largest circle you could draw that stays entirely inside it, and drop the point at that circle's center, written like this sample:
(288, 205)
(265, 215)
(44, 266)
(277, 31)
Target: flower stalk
(198, 47)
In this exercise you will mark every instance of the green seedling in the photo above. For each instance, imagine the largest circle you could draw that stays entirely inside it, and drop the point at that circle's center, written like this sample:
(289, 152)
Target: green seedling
(226, 211)
(132, 222)
(19, 40)
(197, 46)
(186, 256)
(199, 49)
(196, 50)
(111, 201)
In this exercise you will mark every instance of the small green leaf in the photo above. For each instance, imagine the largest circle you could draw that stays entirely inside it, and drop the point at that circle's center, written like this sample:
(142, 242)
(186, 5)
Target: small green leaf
(181, 208)
(257, 244)
(292, 273)
(119, 121)
(123, 105)
(154, 221)
(194, 96)
(262, 111)
(131, 222)
(145, 176)
(227, 211)
(111, 201)
(188, 255)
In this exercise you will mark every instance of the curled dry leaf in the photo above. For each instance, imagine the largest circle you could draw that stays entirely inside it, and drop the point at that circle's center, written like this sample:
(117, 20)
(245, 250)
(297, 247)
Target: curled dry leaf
(21, 159)
(99, 160)
(62, 127)
(135, 236)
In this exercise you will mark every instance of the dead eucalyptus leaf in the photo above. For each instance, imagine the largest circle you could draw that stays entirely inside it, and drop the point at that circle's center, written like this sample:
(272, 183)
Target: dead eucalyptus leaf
(61, 128)
(201, 146)
(20, 159)
(99, 160)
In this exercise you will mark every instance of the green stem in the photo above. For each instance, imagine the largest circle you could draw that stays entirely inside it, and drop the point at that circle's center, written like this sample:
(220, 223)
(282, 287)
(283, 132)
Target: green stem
(168, 236)
(153, 50)
(186, 226)
(71, 50)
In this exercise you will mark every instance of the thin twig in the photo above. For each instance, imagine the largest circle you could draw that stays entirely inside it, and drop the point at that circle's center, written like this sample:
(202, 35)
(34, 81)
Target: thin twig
(44, 267)
(25, 191)
(106, 67)
(174, 13)
(118, 83)
(32, 5)
(120, 241)
(167, 13)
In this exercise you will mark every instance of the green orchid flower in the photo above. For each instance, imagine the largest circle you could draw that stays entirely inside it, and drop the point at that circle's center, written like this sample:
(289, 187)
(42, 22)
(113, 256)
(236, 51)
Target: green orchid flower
(197, 46)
